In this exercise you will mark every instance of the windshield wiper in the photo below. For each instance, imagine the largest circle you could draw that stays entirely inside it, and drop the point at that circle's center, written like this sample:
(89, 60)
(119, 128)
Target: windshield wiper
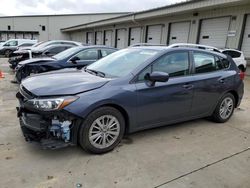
(97, 73)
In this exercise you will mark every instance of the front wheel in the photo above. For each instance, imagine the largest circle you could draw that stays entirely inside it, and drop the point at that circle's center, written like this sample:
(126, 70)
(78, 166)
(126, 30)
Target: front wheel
(102, 130)
(7, 53)
(224, 109)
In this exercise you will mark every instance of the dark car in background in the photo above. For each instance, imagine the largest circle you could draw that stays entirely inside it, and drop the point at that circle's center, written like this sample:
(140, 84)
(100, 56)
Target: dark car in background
(47, 51)
(77, 57)
(130, 90)
(25, 53)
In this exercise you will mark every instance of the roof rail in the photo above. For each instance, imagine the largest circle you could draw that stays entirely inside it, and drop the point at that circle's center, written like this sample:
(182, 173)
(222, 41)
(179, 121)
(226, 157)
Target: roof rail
(199, 46)
(146, 44)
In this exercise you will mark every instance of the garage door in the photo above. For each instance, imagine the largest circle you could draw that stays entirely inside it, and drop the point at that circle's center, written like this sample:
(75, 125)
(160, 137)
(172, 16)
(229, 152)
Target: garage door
(19, 35)
(98, 38)
(135, 35)
(214, 32)
(27, 35)
(108, 38)
(11, 35)
(246, 38)
(90, 38)
(120, 38)
(3, 36)
(35, 36)
(154, 34)
(179, 32)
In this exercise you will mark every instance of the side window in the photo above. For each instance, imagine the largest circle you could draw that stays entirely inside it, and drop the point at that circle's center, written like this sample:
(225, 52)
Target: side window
(225, 63)
(205, 62)
(55, 50)
(175, 64)
(232, 53)
(143, 73)
(11, 43)
(91, 54)
(106, 52)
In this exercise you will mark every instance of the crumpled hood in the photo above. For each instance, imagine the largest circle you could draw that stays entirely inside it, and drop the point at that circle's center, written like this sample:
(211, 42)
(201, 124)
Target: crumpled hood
(64, 82)
(36, 60)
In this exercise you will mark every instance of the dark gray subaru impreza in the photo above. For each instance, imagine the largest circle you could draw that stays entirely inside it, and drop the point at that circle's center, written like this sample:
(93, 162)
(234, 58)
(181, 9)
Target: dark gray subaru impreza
(133, 89)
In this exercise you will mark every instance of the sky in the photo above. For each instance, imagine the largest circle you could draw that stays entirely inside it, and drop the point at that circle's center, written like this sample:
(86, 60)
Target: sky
(38, 7)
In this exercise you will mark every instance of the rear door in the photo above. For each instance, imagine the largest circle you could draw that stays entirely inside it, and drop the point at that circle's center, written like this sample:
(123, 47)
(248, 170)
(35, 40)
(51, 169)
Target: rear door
(210, 82)
(165, 102)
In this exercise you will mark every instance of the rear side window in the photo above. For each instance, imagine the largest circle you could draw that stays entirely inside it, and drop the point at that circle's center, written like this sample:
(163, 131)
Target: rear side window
(232, 53)
(207, 63)
(175, 64)
(225, 63)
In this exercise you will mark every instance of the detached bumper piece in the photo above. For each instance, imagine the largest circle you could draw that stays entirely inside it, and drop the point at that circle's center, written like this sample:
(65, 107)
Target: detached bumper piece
(51, 132)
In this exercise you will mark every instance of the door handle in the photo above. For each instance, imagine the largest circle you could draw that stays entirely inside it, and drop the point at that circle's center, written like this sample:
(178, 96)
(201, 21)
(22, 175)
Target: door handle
(188, 86)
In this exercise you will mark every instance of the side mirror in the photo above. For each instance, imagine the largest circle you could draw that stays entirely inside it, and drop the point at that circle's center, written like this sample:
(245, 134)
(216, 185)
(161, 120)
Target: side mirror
(74, 60)
(156, 77)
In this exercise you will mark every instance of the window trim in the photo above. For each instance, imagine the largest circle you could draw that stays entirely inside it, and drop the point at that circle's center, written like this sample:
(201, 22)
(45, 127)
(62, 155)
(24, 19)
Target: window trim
(135, 78)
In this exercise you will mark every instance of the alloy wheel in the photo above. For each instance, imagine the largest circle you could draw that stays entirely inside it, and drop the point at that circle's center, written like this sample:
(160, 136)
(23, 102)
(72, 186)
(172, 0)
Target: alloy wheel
(104, 131)
(226, 108)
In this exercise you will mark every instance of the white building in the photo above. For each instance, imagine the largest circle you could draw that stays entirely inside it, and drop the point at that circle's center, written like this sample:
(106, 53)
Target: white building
(219, 23)
(45, 27)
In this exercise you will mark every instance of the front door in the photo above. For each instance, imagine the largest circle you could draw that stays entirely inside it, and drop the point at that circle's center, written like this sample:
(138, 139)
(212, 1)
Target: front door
(165, 102)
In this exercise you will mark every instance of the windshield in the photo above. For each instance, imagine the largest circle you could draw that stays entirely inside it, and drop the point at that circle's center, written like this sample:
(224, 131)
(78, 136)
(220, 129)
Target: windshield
(122, 62)
(66, 53)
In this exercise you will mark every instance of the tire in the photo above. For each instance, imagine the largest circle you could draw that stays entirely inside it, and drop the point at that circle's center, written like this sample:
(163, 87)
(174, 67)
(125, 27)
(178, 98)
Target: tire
(220, 115)
(90, 128)
(7, 53)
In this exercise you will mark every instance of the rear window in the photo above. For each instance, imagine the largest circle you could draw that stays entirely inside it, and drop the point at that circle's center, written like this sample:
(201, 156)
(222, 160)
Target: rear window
(232, 53)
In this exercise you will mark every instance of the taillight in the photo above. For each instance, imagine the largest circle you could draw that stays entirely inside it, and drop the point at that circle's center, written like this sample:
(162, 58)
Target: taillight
(242, 75)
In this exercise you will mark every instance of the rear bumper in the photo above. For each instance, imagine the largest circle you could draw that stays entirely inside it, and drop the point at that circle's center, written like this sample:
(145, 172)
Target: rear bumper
(240, 92)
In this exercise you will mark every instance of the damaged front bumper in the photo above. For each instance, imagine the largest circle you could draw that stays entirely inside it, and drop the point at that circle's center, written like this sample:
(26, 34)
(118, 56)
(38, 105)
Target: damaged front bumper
(52, 130)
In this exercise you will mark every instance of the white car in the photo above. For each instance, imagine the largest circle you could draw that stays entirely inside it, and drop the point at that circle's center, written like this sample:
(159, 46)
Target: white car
(238, 58)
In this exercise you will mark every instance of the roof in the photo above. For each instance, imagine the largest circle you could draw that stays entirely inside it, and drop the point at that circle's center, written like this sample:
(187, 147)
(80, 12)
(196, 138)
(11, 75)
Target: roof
(173, 9)
(52, 15)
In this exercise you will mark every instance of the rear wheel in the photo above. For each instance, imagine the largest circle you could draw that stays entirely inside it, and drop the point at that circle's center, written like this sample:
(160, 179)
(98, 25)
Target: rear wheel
(224, 109)
(102, 130)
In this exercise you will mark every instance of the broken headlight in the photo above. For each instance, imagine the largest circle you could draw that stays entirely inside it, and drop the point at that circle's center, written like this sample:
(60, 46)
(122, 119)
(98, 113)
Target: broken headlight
(51, 103)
